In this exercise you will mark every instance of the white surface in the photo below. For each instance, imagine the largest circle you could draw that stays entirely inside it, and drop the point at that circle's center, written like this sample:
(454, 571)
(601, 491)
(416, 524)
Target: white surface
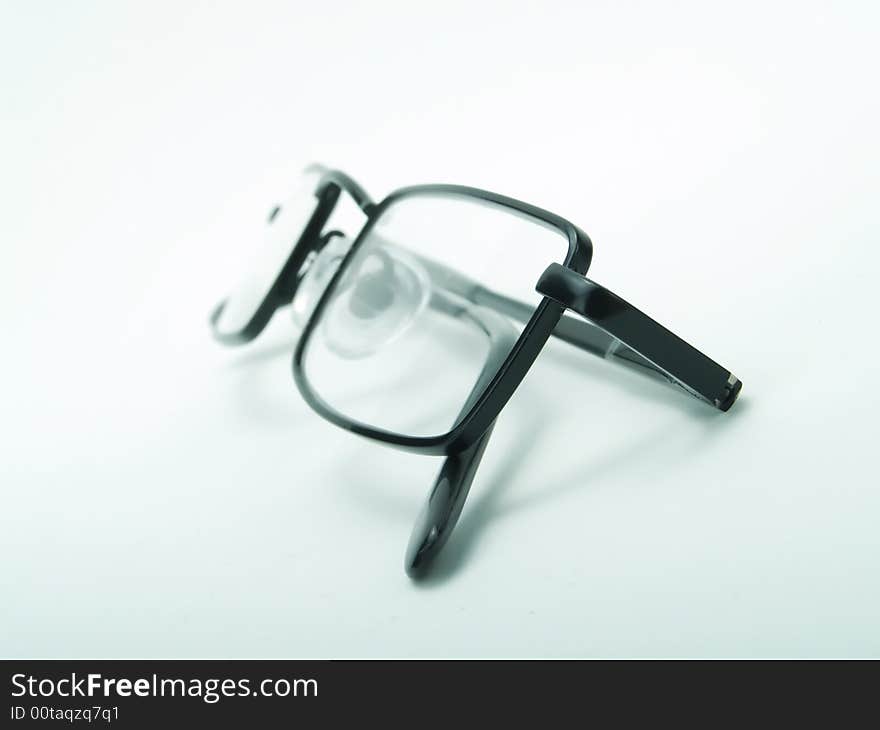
(162, 496)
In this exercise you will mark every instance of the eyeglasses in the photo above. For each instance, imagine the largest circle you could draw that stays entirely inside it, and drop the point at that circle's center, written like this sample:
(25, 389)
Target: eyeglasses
(419, 323)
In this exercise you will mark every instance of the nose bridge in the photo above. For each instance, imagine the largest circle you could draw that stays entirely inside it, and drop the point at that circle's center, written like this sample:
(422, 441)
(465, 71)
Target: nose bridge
(331, 184)
(344, 182)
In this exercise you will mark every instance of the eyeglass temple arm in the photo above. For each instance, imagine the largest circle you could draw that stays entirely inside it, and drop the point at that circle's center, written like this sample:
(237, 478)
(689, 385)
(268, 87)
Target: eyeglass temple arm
(443, 506)
(628, 334)
(612, 329)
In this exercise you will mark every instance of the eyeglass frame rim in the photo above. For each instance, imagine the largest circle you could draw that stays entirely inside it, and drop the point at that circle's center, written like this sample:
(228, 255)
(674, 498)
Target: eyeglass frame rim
(536, 331)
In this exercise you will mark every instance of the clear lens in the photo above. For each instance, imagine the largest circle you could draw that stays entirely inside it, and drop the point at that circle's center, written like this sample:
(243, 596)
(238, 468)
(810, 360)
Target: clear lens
(426, 311)
(268, 259)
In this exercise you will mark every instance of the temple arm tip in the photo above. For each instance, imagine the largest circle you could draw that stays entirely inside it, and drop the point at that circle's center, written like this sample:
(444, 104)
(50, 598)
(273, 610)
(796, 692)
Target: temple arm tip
(734, 386)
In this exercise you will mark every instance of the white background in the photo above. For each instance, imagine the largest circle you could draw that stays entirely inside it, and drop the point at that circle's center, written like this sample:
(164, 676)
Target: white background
(163, 496)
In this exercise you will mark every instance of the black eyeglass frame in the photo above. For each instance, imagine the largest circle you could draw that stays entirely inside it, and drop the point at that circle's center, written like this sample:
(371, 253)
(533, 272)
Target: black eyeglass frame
(610, 326)
(486, 408)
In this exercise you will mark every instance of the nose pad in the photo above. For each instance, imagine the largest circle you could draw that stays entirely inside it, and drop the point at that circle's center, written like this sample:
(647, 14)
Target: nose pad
(381, 294)
(317, 277)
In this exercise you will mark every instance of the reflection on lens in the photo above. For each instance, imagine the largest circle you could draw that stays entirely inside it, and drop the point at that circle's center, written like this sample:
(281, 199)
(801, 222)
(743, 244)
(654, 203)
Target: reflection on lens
(266, 261)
